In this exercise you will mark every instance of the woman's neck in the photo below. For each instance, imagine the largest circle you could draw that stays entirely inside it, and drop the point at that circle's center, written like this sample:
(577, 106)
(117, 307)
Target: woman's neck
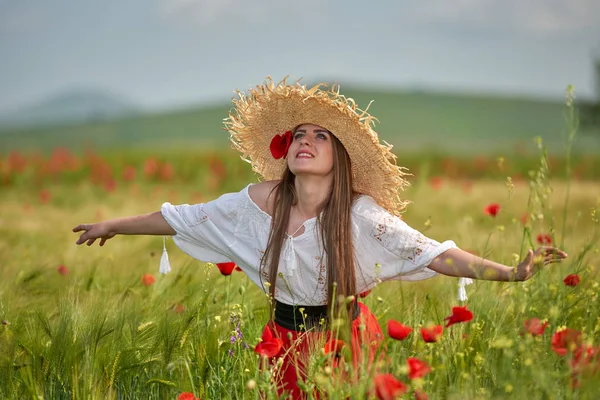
(311, 192)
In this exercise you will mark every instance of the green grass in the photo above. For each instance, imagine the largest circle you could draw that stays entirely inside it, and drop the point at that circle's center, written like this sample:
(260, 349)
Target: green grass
(412, 122)
(99, 333)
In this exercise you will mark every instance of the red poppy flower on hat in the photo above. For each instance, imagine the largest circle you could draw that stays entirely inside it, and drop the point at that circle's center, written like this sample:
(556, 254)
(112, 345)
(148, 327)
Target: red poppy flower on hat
(535, 327)
(398, 331)
(417, 368)
(492, 209)
(280, 145)
(227, 268)
(572, 280)
(432, 334)
(387, 387)
(364, 294)
(544, 238)
(269, 346)
(565, 341)
(459, 314)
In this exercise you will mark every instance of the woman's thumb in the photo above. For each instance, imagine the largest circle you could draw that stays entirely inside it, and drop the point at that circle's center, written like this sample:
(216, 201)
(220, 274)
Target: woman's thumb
(529, 257)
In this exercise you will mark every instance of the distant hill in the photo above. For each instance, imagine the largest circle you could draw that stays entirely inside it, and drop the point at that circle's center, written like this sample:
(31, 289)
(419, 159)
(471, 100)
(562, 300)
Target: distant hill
(411, 121)
(77, 106)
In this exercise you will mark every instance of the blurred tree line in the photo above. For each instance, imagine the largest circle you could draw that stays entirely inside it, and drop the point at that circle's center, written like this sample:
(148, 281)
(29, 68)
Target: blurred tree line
(590, 110)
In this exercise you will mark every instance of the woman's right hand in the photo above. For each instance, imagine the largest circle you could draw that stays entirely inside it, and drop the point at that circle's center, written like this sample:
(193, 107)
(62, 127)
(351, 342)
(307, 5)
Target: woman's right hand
(100, 230)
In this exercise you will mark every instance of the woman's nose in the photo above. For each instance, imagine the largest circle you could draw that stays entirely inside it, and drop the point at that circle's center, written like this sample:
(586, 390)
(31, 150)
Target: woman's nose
(304, 140)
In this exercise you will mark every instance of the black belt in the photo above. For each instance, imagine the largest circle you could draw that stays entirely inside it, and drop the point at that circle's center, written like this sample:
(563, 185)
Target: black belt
(301, 318)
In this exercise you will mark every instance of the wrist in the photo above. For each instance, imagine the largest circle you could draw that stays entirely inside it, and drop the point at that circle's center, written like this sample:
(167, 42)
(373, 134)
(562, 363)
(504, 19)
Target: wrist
(111, 226)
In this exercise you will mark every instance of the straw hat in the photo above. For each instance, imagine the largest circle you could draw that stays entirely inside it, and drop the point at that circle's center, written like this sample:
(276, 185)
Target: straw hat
(272, 109)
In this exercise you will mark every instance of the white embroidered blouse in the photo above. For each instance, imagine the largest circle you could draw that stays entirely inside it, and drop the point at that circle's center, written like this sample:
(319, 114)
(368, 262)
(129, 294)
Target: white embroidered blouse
(234, 228)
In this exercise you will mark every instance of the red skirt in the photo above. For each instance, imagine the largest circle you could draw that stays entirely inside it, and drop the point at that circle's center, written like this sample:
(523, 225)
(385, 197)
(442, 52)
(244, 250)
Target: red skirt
(298, 345)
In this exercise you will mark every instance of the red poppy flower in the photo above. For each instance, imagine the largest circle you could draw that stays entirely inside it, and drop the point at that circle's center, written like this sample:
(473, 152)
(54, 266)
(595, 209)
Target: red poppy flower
(166, 172)
(269, 346)
(565, 341)
(333, 346)
(420, 395)
(63, 270)
(226, 268)
(187, 396)
(417, 368)
(535, 327)
(280, 144)
(467, 186)
(459, 314)
(129, 173)
(148, 280)
(364, 294)
(398, 331)
(544, 238)
(492, 209)
(387, 387)
(432, 334)
(572, 280)
(45, 196)
(436, 182)
(586, 359)
(179, 308)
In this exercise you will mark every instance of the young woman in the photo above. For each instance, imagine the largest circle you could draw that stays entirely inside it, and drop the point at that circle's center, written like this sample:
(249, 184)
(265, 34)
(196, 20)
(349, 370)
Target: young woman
(323, 225)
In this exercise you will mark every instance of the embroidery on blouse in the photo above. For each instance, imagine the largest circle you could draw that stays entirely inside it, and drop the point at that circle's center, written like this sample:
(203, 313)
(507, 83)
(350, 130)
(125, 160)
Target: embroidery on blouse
(413, 245)
(265, 274)
(381, 229)
(409, 243)
(200, 215)
(321, 270)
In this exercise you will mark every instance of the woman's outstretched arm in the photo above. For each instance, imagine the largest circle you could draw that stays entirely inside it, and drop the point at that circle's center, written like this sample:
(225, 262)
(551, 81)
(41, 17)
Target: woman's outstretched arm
(459, 263)
(147, 224)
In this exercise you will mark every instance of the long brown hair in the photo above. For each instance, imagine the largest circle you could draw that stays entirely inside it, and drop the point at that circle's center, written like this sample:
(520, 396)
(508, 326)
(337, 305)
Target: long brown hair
(335, 228)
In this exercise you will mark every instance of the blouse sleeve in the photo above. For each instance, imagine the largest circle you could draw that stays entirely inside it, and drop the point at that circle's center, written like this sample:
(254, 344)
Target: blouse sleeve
(390, 249)
(206, 231)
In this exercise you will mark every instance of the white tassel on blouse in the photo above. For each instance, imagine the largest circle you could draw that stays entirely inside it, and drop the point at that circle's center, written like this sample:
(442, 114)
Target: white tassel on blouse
(290, 257)
(462, 292)
(165, 266)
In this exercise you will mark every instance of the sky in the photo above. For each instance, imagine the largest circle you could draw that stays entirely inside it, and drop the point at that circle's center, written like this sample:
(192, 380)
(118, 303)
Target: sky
(165, 54)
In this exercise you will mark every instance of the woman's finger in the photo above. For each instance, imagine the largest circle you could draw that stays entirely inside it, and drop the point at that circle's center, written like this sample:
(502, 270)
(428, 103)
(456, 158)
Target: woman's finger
(102, 241)
(553, 250)
(82, 238)
(553, 260)
(81, 227)
(91, 241)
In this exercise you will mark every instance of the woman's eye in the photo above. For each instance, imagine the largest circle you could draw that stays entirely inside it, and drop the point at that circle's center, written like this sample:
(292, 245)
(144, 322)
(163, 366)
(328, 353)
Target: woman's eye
(298, 135)
(321, 136)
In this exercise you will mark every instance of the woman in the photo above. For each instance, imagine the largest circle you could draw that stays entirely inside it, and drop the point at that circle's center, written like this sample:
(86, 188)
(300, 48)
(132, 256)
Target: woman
(323, 225)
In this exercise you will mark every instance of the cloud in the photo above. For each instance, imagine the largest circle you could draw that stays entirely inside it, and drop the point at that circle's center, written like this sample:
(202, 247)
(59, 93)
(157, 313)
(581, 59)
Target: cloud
(21, 21)
(535, 17)
(214, 11)
(199, 10)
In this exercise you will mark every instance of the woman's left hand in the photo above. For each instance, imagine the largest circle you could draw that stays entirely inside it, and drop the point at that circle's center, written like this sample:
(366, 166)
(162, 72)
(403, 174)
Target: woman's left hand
(536, 259)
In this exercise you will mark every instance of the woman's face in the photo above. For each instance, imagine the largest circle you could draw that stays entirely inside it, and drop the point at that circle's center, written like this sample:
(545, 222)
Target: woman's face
(311, 151)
